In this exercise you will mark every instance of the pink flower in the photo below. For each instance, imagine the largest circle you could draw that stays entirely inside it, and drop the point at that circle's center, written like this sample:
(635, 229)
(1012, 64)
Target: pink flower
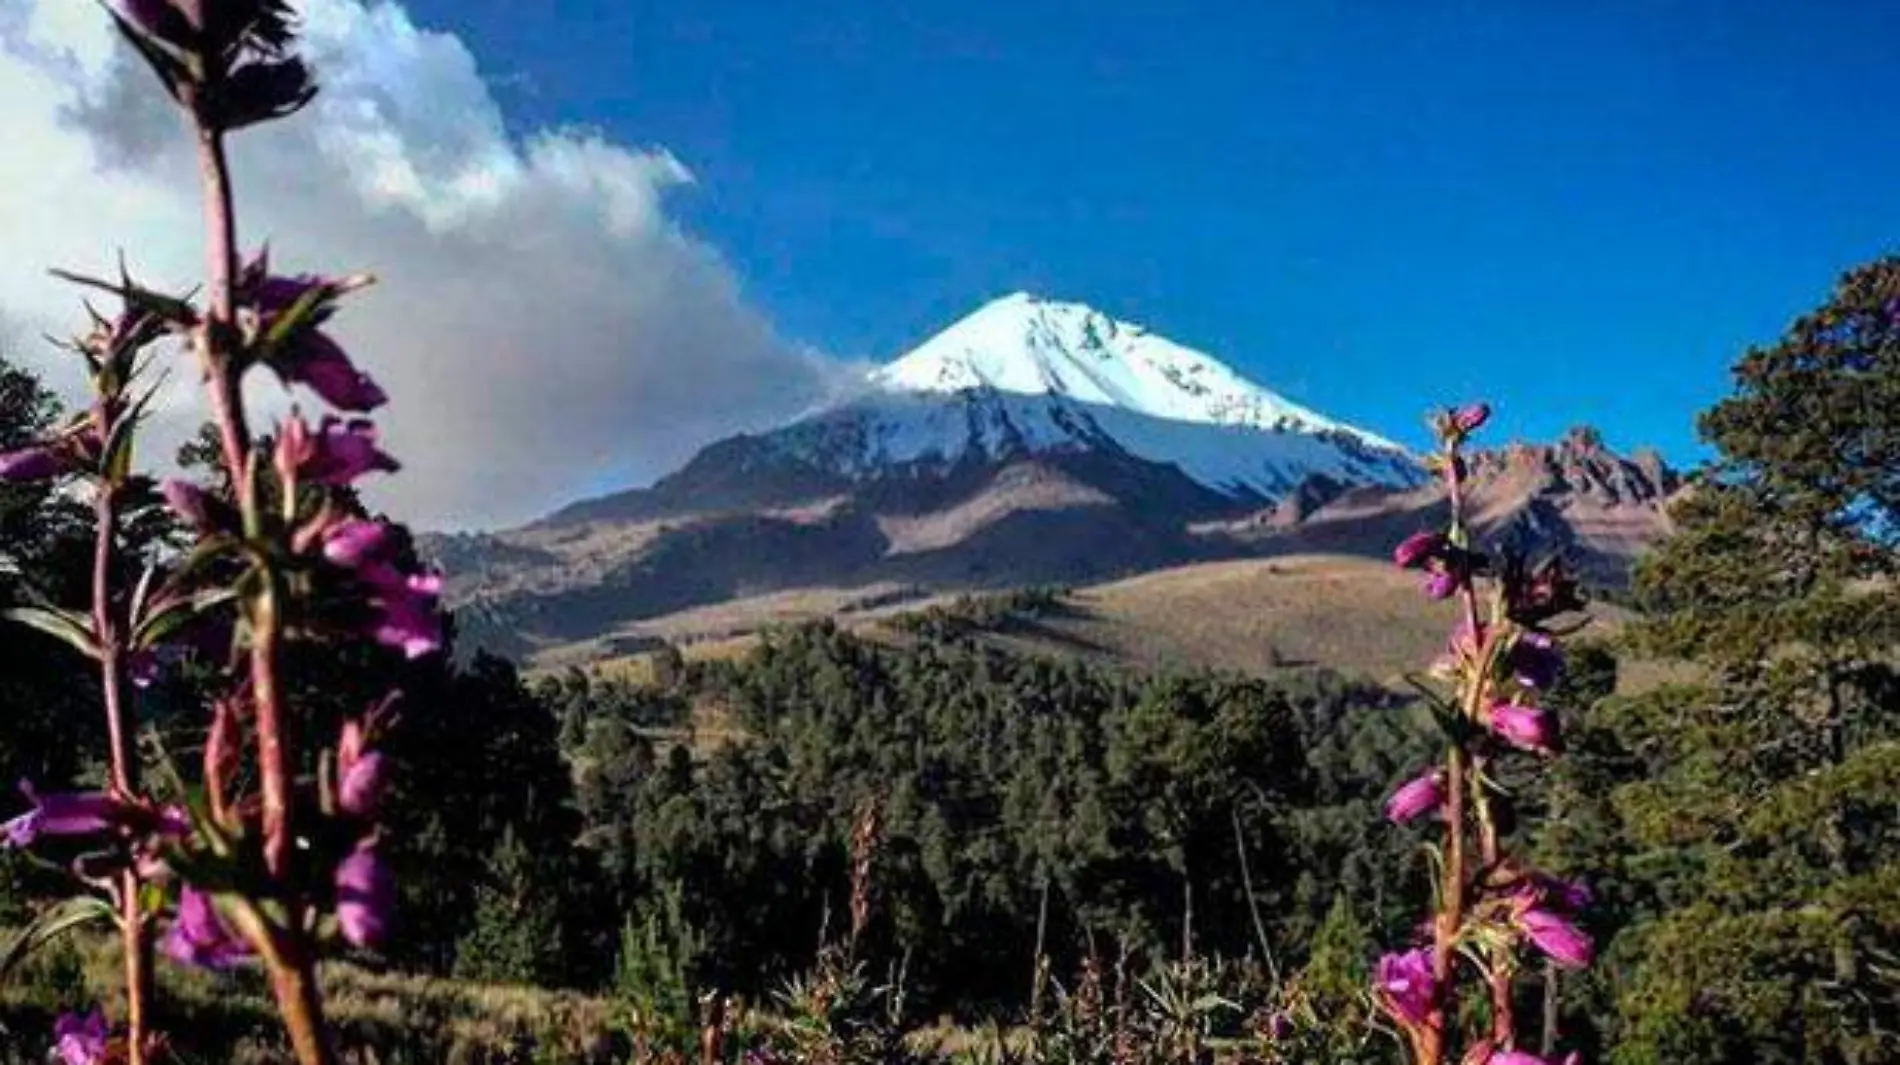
(364, 780)
(319, 363)
(1406, 985)
(199, 937)
(403, 608)
(1417, 549)
(365, 898)
(1562, 941)
(1416, 798)
(62, 814)
(35, 463)
(355, 542)
(1442, 584)
(1542, 889)
(84, 813)
(1524, 727)
(336, 454)
(1470, 417)
(81, 1040)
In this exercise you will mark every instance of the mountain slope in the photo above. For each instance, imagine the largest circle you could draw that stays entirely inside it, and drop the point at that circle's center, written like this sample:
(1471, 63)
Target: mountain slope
(1030, 442)
(1028, 377)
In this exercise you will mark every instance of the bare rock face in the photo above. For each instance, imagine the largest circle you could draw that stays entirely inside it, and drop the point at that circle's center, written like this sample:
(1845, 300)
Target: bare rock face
(1575, 497)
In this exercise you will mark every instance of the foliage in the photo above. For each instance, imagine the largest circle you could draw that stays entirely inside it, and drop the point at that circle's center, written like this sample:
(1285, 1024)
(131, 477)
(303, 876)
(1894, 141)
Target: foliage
(1762, 839)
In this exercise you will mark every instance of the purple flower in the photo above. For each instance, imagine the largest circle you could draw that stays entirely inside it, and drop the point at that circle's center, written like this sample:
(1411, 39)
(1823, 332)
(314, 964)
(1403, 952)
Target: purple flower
(81, 1040)
(1535, 660)
(1406, 985)
(201, 510)
(353, 542)
(1442, 584)
(142, 668)
(199, 937)
(1416, 798)
(1542, 889)
(1564, 942)
(61, 814)
(35, 463)
(311, 357)
(364, 780)
(1279, 1026)
(1417, 549)
(1524, 727)
(365, 898)
(1470, 417)
(336, 454)
(403, 608)
(319, 364)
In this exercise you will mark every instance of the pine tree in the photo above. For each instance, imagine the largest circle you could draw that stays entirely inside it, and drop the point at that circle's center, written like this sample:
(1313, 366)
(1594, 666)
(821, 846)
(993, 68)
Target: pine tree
(515, 936)
(1768, 832)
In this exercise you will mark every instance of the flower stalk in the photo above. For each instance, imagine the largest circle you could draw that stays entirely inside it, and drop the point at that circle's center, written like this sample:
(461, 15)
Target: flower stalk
(1488, 906)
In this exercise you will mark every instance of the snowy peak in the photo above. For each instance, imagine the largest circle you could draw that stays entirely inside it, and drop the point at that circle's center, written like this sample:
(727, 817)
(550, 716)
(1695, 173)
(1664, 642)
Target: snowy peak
(1025, 345)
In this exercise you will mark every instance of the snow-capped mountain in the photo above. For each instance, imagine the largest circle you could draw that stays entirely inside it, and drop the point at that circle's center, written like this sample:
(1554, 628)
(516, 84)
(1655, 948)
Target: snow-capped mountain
(1023, 376)
(1031, 442)
(1023, 345)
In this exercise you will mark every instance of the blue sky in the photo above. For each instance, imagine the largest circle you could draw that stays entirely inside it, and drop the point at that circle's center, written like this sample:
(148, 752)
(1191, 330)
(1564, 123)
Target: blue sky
(1584, 215)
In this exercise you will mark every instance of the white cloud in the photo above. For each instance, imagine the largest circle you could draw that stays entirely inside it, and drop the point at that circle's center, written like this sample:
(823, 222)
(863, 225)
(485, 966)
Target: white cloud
(541, 325)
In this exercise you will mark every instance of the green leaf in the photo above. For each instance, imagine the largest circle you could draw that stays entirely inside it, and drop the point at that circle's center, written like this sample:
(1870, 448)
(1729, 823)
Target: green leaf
(55, 921)
(168, 619)
(64, 625)
(170, 308)
(309, 310)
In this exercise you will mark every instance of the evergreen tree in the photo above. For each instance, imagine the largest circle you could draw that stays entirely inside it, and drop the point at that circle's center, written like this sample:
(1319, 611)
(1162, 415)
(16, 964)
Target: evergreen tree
(515, 934)
(1766, 840)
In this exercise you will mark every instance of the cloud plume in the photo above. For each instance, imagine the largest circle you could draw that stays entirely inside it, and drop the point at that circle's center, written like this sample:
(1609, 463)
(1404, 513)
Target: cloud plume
(541, 324)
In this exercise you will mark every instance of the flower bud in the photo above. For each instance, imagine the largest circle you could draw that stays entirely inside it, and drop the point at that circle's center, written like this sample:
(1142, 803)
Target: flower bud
(81, 1040)
(365, 898)
(1419, 548)
(362, 784)
(1406, 985)
(353, 542)
(1563, 942)
(1416, 798)
(1469, 418)
(1535, 661)
(319, 364)
(35, 463)
(1525, 727)
(199, 937)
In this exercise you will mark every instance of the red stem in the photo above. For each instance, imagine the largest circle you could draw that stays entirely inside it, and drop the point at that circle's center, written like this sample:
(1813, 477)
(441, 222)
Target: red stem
(221, 378)
(292, 966)
(1503, 1021)
(125, 768)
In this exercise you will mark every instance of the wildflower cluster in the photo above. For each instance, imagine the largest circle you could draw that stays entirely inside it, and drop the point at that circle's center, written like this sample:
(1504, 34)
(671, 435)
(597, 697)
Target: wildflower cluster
(281, 550)
(1490, 907)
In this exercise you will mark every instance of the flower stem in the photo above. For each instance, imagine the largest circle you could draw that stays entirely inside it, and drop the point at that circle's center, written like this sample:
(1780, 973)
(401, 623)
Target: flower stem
(292, 966)
(125, 767)
(1503, 1022)
(221, 377)
(272, 745)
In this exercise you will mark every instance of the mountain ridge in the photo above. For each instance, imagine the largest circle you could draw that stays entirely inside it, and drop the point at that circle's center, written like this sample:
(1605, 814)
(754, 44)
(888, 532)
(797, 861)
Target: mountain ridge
(1030, 442)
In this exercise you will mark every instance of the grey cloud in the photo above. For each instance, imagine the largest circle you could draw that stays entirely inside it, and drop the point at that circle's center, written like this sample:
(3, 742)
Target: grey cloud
(540, 322)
